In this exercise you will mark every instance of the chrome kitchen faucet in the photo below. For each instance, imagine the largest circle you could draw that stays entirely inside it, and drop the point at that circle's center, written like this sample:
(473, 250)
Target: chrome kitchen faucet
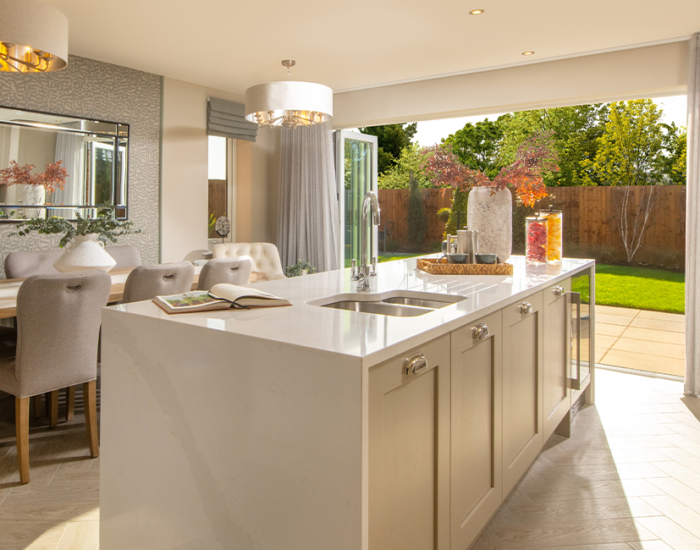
(362, 275)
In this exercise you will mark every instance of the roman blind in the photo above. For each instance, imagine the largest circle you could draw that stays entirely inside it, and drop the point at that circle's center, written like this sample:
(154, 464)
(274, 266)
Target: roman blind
(227, 119)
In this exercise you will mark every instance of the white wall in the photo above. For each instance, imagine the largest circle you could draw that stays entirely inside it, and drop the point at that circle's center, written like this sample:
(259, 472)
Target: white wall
(651, 71)
(184, 175)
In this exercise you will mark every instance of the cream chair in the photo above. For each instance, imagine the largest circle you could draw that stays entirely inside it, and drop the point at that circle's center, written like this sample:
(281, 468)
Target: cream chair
(266, 258)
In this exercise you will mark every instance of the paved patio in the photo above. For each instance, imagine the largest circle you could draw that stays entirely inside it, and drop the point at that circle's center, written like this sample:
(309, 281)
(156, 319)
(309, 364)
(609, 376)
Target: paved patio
(642, 340)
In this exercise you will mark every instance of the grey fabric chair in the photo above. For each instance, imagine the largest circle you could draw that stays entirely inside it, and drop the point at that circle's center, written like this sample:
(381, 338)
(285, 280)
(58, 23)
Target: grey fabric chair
(235, 272)
(58, 326)
(125, 255)
(148, 281)
(22, 264)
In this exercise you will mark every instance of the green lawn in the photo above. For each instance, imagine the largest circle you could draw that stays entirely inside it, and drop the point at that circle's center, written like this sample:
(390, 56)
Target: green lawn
(637, 288)
(390, 256)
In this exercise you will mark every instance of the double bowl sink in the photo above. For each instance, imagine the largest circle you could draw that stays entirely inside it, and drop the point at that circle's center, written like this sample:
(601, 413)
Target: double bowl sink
(395, 303)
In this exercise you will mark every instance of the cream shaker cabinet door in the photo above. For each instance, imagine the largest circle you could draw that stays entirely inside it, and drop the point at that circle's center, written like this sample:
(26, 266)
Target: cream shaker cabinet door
(555, 355)
(408, 430)
(522, 388)
(476, 489)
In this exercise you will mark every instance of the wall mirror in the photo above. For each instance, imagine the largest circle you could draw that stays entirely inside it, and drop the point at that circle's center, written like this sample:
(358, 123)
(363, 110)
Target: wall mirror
(94, 153)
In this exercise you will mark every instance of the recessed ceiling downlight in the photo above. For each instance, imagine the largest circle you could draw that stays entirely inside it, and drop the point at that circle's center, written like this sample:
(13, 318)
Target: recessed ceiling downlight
(528, 53)
(476, 12)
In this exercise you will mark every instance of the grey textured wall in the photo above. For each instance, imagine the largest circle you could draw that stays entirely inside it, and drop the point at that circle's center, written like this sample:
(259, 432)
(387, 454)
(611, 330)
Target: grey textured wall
(92, 89)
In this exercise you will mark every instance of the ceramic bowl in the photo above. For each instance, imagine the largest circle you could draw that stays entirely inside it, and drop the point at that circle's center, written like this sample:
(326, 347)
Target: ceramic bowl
(457, 258)
(486, 258)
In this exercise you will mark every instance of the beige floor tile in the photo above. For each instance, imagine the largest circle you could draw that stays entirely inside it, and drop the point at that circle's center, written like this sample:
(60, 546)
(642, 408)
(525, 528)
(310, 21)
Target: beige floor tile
(642, 361)
(604, 341)
(21, 534)
(681, 492)
(689, 460)
(684, 443)
(659, 349)
(658, 324)
(670, 532)
(621, 431)
(612, 319)
(614, 546)
(82, 535)
(609, 330)
(589, 509)
(650, 545)
(619, 311)
(660, 315)
(654, 335)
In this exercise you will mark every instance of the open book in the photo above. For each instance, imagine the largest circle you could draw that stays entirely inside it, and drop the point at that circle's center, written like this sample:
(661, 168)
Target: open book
(221, 296)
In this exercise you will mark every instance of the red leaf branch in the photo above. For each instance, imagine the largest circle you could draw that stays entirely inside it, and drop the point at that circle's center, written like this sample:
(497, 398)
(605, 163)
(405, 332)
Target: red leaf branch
(54, 176)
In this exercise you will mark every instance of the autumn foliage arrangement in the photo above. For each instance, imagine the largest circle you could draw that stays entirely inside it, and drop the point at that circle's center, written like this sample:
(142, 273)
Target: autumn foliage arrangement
(535, 156)
(54, 176)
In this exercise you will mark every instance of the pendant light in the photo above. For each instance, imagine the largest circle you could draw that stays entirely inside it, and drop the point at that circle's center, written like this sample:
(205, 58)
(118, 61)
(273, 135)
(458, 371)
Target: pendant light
(289, 103)
(33, 37)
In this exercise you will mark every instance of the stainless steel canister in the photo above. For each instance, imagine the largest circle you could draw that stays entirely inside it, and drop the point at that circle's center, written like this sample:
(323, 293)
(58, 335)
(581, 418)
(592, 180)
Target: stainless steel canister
(468, 243)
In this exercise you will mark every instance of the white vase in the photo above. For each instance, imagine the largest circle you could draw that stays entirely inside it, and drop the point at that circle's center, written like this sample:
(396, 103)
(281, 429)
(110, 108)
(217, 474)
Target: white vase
(492, 216)
(84, 252)
(34, 194)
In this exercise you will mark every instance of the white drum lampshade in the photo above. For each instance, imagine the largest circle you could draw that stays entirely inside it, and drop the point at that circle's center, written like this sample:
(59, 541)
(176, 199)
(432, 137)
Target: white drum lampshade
(289, 103)
(33, 37)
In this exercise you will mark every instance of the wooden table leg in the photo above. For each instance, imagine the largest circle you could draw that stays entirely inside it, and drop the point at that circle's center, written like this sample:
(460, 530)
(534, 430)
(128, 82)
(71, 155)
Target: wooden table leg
(22, 432)
(53, 409)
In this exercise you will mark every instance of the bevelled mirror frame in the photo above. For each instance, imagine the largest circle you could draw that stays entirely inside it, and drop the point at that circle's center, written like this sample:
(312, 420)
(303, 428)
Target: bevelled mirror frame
(86, 147)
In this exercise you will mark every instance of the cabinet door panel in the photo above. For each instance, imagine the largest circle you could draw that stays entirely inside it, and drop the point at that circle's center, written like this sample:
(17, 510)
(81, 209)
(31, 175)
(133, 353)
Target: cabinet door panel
(522, 389)
(404, 424)
(557, 395)
(475, 454)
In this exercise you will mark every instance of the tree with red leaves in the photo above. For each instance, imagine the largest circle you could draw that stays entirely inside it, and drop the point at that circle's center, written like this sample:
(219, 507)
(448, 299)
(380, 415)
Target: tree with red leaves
(54, 177)
(534, 156)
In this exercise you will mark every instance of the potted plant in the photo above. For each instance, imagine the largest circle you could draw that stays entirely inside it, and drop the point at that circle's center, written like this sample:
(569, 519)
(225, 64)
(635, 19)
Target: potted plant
(35, 185)
(83, 240)
(300, 268)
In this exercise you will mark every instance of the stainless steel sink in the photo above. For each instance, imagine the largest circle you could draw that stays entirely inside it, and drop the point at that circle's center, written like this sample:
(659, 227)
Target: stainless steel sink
(380, 308)
(396, 303)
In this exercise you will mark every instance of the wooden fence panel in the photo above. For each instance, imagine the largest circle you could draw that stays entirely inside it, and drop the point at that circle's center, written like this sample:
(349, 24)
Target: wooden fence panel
(590, 215)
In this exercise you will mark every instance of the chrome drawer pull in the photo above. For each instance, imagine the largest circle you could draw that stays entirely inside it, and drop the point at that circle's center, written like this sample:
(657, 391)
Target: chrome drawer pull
(415, 364)
(480, 331)
(558, 290)
(525, 308)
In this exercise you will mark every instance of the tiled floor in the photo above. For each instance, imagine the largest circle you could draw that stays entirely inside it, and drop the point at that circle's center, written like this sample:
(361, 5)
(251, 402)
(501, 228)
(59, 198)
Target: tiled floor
(641, 340)
(628, 478)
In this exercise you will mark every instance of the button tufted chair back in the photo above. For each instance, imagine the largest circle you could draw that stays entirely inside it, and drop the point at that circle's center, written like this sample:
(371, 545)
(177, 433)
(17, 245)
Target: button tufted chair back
(265, 256)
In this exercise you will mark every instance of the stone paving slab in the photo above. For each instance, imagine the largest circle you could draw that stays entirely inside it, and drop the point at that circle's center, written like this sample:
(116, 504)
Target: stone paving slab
(643, 340)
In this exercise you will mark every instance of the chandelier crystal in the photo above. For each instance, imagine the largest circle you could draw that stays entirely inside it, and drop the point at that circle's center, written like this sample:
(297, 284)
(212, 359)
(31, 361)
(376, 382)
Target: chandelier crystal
(33, 37)
(289, 103)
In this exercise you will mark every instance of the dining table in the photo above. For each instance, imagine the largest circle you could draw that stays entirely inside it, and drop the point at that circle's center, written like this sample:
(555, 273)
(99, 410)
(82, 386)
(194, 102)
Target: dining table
(10, 287)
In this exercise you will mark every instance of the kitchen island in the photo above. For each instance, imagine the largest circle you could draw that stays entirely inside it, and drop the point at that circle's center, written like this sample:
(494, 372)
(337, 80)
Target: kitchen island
(311, 427)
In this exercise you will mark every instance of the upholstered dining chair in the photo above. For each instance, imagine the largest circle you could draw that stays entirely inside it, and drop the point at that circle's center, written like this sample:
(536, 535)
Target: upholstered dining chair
(125, 255)
(22, 264)
(235, 272)
(266, 258)
(58, 326)
(148, 281)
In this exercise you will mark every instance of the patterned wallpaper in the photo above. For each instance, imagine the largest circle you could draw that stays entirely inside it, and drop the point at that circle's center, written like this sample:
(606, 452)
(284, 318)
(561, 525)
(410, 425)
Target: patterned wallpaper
(92, 89)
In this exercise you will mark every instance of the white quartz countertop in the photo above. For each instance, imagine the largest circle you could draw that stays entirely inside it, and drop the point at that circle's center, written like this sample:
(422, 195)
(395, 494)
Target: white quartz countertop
(371, 337)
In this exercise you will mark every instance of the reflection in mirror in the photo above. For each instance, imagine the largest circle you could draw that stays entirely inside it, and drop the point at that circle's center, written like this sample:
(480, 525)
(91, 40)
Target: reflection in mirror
(93, 153)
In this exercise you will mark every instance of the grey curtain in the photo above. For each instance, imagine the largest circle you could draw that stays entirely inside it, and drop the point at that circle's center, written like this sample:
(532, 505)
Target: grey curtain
(70, 149)
(308, 210)
(692, 244)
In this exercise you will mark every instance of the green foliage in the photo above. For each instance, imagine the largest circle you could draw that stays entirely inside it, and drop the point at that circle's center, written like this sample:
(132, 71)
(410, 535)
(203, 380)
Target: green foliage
(675, 159)
(417, 220)
(391, 140)
(107, 227)
(460, 202)
(575, 132)
(212, 223)
(444, 214)
(296, 269)
(397, 176)
(630, 150)
(478, 145)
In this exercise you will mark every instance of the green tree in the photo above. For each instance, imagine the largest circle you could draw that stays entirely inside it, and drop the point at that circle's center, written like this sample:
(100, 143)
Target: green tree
(397, 176)
(478, 145)
(630, 150)
(675, 158)
(416, 218)
(575, 131)
(391, 140)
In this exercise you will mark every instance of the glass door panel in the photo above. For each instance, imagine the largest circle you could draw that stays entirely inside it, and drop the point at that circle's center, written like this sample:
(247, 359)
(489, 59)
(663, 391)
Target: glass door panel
(356, 173)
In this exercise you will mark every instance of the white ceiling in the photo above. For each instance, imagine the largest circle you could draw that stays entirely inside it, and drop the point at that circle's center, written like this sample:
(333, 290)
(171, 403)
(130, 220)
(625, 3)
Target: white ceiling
(352, 44)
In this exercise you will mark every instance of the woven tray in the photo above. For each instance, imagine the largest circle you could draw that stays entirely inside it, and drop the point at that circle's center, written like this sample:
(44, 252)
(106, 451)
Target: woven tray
(432, 266)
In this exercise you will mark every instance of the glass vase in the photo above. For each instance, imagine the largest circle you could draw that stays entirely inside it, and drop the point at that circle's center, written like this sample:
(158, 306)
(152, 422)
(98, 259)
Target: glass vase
(554, 235)
(491, 214)
(536, 240)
